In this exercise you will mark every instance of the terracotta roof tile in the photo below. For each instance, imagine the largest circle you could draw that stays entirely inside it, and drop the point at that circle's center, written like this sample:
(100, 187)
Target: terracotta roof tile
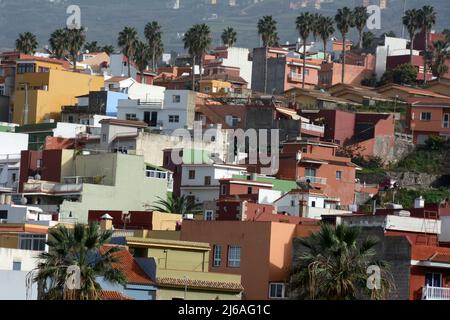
(113, 295)
(202, 284)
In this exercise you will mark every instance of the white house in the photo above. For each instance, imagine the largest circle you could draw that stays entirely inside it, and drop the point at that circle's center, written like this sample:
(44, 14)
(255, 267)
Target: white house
(391, 47)
(10, 213)
(308, 204)
(134, 89)
(237, 58)
(11, 146)
(176, 110)
(200, 182)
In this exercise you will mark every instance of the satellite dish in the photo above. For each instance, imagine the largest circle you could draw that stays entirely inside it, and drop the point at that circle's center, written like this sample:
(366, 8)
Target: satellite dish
(23, 201)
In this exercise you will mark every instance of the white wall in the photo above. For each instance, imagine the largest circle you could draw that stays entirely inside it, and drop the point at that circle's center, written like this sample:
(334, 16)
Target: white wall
(27, 258)
(285, 204)
(390, 47)
(116, 67)
(68, 130)
(13, 286)
(238, 57)
(445, 229)
(268, 196)
(145, 92)
(12, 143)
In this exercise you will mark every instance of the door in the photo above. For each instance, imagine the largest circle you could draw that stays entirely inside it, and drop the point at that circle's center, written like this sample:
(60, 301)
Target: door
(151, 118)
(446, 120)
(433, 279)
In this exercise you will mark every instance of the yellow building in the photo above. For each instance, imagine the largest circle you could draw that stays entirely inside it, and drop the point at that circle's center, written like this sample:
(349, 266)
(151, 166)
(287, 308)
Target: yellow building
(183, 270)
(215, 87)
(48, 86)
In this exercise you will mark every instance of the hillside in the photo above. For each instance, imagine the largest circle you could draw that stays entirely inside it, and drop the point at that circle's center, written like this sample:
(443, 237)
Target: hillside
(105, 18)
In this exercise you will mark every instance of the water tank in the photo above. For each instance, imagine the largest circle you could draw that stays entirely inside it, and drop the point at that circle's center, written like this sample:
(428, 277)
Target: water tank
(419, 203)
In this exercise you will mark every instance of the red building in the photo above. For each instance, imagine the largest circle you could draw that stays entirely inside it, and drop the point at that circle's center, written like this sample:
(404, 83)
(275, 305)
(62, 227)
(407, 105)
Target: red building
(428, 116)
(315, 163)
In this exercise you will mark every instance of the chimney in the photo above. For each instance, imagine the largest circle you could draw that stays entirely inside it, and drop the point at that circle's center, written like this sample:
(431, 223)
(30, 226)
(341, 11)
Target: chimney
(106, 222)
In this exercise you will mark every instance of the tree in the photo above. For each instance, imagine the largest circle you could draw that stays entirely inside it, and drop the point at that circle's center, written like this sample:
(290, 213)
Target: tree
(316, 18)
(179, 205)
(441, 54)
(332, 264)
(325, 29)
(26, 43)
(75, 39)
(153, 34)
(305, 24)
(127, 41)
(108, 49)
(412, 24)
(80, 246)
(368, 39)
(344, 21)
(427, 19)
(142, 56)
(229, 37)
(92, 46)
(58, 43)
(267, 29)
(402, 74)
(360, 15)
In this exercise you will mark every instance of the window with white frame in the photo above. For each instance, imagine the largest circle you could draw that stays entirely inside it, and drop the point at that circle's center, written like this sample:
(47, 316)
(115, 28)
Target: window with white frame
(209, 215)
(446, 121)
(338, 175)
(425, 116)
(176, 98)
(277, 291)
(17, 265)
(234, 256)
(34, 242)
(217, 261)
(130, 116)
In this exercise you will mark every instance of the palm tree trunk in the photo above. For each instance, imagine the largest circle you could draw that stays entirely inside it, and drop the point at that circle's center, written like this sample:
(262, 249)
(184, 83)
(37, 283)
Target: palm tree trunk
(265, 69)
(74, 59)
(411, 50)
(129, 66)
(360, 44)
(425, 58)
(304, 64)
(153, 59)
(343, 58)
(325, 49)
(142, 75)
(193, 72)
(201, 67)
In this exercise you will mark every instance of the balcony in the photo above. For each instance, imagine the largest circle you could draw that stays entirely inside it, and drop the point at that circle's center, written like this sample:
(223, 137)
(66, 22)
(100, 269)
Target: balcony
(51, 188)
(295, 77)
(314, 180)
(313, 128)
(163, 175)
(435, 293)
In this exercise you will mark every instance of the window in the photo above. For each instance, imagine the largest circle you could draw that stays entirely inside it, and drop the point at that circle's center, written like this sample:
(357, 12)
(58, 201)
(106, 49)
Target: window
(2, 91)
(14, 177)
(70, 119)
(425, 116)
(338, 175)
(223, 190)
(25, 68)
(191, 174)
(39, 163)
(234, 256)
(104, 137)
(305, 149)
(176, 99)
(249, 190)
(207, 89)
(313, 204)
(310, 172)
(292, 203)
(44, 70)
(446, 121)
(207, 181)
(17, 265)
(433, 279)
(217, 256)
(209, 215)
(174, 119)
(3, 214)
(277, 291)
(35, 242)
(130, 116)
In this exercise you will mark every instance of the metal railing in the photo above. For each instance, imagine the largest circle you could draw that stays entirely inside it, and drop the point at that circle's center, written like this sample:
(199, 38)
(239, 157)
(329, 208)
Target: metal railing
(52, 188)
(313, 127)
(318, 180)
(293, 76)
(435, 293)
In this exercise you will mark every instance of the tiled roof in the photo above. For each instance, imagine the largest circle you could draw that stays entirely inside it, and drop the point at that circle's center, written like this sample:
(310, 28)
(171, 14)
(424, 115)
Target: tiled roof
(430, 253)
(441, 257)
(130, 268)
(128, 123)
(428, 101)
(113, 295)
(201, 284)
(117, 79)
(410, 90)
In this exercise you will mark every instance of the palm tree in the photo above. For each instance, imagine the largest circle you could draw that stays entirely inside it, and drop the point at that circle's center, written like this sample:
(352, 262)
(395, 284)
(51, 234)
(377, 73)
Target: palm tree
(108, 49)
(179, 205)
(229, 37)
(305, 24)
(81, 247)
(427, 19)
(315, 28)
(441, 54)
(92, 46)
(267, 29)
(153, 34)
(368, 39)
(360, 15)
(58, 43)
(332, 264)
(141, 57)
(204, 43)
(127, 40)
(325, 28)
(344, 21)
(411, 22)
(26, 43)
(75, 39)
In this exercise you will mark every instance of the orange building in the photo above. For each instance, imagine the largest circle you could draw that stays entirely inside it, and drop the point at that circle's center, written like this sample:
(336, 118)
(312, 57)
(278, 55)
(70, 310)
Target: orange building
(261, 252)
(315, 163)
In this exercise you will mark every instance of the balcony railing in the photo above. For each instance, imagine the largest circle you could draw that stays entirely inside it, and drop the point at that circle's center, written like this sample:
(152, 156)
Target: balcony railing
(52, 188)
(435, 293)
(297, 77)
(313, 127)
(317, 180)
(160, 175)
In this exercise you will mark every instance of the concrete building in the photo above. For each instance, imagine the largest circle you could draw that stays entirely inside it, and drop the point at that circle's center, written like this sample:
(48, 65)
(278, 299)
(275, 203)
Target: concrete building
(238, 246)
(10, 213)
(175, 111)
(43, 86)
(234, 57)
(390, 47)
(61, 182)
